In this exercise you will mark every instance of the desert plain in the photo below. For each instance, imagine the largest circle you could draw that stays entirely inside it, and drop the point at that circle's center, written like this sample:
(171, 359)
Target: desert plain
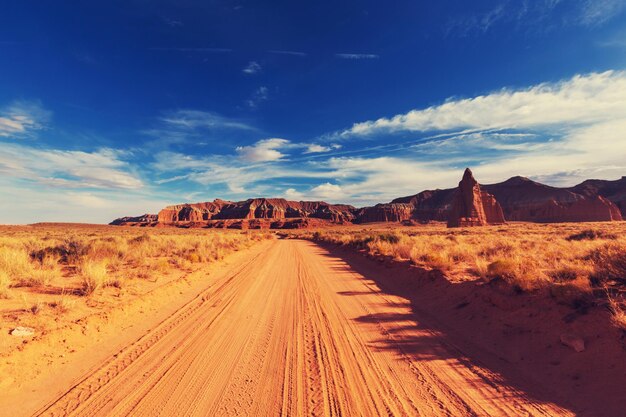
(353, 320)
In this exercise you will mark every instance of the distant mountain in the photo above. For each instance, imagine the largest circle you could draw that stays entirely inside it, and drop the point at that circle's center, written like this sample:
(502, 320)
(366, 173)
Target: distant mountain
(520, 198)
(525, 200)
(613, 190)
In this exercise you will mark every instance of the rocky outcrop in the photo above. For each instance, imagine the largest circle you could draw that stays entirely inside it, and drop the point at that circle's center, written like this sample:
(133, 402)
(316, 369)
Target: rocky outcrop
(519, 198)
(525, 200)
(391, 212)
(144, 219)
(256, 208)
(472, 206)
(196, 212)
(614, 191)
(429, 205)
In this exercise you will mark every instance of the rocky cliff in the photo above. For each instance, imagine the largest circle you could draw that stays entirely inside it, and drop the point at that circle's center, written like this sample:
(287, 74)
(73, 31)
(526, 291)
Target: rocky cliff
(256, 208)
(430, 204)
(472, 206)
(137, 220)
(614, 191)
(525, 200)
(391, 212)
(521, 199)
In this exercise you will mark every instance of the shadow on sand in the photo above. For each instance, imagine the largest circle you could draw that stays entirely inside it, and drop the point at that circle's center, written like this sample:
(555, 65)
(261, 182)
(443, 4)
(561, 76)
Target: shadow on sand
(515, 336)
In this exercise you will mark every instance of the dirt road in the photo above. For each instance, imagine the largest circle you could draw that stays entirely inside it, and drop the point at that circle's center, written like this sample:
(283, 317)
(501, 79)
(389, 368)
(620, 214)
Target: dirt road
(293, 331)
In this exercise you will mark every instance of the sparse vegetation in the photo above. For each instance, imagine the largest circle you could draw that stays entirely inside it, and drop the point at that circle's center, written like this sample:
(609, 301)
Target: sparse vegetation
(569, 260)
(94, 276)
(62, 265)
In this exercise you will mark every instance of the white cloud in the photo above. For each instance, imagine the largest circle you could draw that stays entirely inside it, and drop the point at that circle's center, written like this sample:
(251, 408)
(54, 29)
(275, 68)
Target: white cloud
(580, 100)
(325, 191)
(190, 125)
(263, 151)
(252, 68)
(597, 12)
(23, 204)
(197, 119)
(22, 118)
(357, 56)
(317, 148)
(102, 169)
(536, 16)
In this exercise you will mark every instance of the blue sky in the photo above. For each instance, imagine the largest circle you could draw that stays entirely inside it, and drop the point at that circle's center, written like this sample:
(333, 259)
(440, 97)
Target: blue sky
(119, 108)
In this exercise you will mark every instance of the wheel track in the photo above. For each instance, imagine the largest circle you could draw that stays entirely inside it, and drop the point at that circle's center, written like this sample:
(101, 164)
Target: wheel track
(275, 336)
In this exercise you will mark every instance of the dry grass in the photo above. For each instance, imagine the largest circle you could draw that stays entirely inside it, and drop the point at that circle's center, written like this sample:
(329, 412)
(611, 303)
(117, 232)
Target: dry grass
(569, 260)
(94, 276)
(91, 258)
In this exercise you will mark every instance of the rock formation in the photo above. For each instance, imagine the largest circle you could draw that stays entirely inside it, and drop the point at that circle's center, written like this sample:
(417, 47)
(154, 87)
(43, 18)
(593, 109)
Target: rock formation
(525, 200)
(144, 219)
(256, 208)
(429, 205)
(614, 191)
(391, 212)
(472, 206)
(520, 199)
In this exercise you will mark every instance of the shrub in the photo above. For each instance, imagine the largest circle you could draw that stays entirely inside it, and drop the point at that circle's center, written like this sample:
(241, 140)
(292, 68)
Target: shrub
(610, 264)
(619, 314)
(504, 269)
(193, 257)
(93, 276)
(15, 263)
(590, 234)
(391, 238)
(565, 274)
(63, 304)
(5, 283)
(71, 251)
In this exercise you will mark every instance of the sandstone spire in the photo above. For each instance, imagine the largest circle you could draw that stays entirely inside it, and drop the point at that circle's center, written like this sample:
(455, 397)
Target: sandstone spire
(472, 206)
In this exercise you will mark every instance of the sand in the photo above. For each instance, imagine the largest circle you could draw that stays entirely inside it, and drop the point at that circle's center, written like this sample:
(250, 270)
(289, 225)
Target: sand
(290, 329)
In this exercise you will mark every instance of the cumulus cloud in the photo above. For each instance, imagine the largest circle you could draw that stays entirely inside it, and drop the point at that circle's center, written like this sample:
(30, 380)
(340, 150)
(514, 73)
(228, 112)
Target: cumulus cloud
(582, 99)
(325, 191)
(263, 151)
(252, 68)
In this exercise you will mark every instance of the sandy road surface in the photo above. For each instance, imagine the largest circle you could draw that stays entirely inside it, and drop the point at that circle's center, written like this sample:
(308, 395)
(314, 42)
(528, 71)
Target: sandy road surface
(293, 331)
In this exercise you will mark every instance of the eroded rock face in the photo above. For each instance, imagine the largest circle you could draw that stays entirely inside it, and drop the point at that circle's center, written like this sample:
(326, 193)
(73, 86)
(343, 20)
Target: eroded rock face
(614, 191)
(525, 200)
(472, 206)
(256, 208)
(429, 205)
(519, 198)
(143, 219)
(391, 212)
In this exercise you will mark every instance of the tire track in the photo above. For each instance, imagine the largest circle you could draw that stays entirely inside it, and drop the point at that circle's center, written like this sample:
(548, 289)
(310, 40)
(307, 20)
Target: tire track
(277, 337)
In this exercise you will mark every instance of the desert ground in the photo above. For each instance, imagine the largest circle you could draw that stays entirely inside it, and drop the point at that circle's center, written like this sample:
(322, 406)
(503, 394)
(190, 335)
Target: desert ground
(510, 320)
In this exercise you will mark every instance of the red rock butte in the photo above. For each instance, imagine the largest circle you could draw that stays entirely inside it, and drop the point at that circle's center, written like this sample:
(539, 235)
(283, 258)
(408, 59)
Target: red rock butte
(472, 206)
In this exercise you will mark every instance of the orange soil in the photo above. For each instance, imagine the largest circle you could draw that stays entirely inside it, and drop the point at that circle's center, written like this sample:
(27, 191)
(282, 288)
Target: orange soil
(294, 329)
